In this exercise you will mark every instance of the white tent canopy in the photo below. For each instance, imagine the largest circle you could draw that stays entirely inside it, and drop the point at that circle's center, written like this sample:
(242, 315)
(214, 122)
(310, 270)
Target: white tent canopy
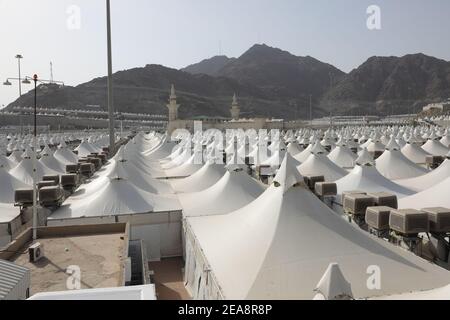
(279, 246)
(204, 178)
(8, 184)
(233, 191)
(118, 196)
(435, 196)
(368, 179)
(428, 180)
(394, 165)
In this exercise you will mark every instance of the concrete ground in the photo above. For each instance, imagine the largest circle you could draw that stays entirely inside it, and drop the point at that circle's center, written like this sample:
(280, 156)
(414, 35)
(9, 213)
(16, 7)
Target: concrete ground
(168, 277)
(98, 257)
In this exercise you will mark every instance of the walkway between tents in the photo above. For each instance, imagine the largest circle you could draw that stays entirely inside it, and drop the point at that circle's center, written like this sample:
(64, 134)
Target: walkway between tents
(168, 278)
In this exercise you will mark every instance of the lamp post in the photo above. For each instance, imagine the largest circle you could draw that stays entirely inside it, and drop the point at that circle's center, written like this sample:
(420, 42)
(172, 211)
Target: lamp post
(26, 80)
(18, 57)
(35, 79)
(112, 139)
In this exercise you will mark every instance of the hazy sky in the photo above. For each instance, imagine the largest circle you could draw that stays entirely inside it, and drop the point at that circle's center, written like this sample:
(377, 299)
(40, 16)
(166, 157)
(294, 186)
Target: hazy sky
(176, 33)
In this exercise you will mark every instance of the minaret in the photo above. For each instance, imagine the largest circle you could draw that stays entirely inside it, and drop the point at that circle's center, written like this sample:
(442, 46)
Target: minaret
(235, 110)
(173, 106)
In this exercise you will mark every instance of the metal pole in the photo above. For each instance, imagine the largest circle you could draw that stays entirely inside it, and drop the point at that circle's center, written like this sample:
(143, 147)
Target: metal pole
(20, 83)
(110, 84)
(310, 109)
(34, 162)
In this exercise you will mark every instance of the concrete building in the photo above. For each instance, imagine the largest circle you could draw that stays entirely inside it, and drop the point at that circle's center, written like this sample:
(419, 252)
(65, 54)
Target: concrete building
(103, 255)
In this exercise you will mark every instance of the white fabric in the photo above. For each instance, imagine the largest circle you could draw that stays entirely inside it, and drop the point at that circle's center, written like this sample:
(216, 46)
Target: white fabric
(204, 178)
(279, 246)
(427, 180)
(368, 179)
(394, 165)
(233, 191)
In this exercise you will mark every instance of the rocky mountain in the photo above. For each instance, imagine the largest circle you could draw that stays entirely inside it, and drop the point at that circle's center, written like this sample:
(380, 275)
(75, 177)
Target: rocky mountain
(383, 83)
(210, 67)
(269, 82)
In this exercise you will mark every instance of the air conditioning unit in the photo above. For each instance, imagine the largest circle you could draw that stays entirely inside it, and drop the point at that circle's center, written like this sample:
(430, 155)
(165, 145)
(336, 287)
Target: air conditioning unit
(384, 199)
(54, 178)
(345, 193)
(325, 189)
(36, 252)
(439, 219)
(378, 217)
(50, 196)
(72, 168)
(356, 204)
(311, 181)
(408, 221)
(69, 181)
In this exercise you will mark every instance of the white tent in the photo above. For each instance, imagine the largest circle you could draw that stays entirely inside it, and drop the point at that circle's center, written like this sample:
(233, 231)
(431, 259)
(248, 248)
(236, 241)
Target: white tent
(204, 178)
(343, 157)
(435, 196)
(434, 294)
(435, 147)
(8, 184)
(16, 156)
(52, 163)
(6, 163)
(427, 180)
(394, 165)
(117, 197)
(66, 156)
(233, 191)
(279, 246)
(185, 169)
(24, 171)
(127, 170)
(85, 148)
(414, 153)
(320, 164)
(367, 178)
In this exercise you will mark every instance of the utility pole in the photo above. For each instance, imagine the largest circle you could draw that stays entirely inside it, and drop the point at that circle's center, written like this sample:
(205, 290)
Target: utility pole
(112, 139)
(310, 109)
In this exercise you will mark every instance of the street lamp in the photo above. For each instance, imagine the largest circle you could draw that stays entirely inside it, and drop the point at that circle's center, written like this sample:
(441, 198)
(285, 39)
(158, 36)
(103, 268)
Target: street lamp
(18, 57)
(112, 139)
(35, 80)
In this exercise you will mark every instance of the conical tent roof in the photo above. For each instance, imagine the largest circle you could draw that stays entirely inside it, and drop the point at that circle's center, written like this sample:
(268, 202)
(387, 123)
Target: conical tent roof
(435, 148)
(414, 153)
(8, 185)
(333, 284)
(118, 196)
(202, 179)
(66, 156)
(428, 180)
(185, 169)
(16, 156)
(126, 170)
(319, 164)
(435, 196)
(52, 163)
(6, 163)
(368, 179)
(24, 171)
(280, 245)
(294, 148)
(233, 191)
(394, 165)
(343, 157)
(86, 148)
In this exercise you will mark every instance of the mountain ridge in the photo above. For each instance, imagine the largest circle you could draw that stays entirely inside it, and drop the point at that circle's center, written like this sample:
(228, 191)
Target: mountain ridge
(269, 82)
